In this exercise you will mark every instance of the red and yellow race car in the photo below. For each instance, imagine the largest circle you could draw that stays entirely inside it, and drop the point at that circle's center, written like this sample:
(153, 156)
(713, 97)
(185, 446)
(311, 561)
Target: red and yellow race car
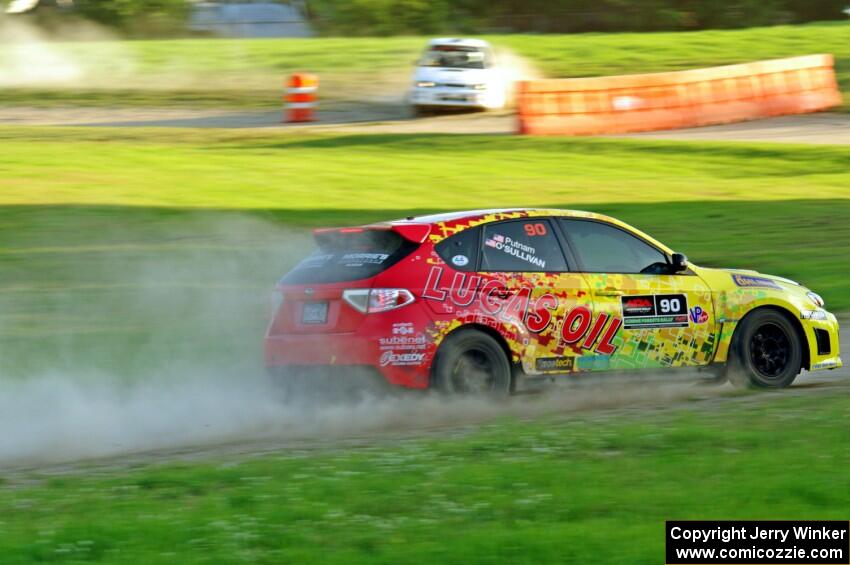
(476, 302)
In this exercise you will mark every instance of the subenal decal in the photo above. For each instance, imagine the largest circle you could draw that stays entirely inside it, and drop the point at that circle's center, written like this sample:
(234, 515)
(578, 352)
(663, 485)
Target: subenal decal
(579, 329)
(751, 281)
(403, 338)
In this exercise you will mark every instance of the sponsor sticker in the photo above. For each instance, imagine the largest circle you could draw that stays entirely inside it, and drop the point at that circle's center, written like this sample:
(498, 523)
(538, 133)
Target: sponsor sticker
(751, 281)
(489, 302)
(655, 311)
(828, 364)
(554, 363)
(460, 260)
(358, 259)
(401, 359)
(698, 315)
(403, 338)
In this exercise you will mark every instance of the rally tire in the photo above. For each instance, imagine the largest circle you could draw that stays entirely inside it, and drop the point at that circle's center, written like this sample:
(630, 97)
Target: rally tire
(767, 351)
(470, 362)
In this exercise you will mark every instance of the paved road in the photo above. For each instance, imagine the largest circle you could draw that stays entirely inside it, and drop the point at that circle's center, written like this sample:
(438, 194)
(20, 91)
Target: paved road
(391, 117)
(823, 128)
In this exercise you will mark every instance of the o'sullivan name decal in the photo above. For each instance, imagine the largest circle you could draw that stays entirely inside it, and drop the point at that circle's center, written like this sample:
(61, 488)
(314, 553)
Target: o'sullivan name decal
(491, 298)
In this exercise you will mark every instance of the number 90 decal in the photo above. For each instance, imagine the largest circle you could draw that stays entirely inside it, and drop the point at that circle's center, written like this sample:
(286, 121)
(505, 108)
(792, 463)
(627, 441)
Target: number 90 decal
(533, 230)
(655, 311)
(669, 305)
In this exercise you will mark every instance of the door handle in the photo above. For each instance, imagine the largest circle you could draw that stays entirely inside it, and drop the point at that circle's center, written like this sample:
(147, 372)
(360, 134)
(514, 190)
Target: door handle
(610, 292)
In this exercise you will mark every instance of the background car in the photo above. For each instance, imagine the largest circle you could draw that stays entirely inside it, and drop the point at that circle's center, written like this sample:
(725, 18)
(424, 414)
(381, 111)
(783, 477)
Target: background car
(473, 301)
(457, 73)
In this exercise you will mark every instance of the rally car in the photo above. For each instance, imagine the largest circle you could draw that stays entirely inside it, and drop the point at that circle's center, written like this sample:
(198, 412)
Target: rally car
(481, 301)
(457, 73)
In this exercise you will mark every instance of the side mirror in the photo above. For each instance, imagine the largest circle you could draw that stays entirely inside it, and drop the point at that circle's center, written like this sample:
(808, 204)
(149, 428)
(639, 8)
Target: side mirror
(679, 262)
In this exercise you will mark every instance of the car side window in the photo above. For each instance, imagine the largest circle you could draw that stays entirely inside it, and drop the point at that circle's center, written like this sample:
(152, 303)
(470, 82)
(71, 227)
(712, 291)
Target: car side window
(521, 246)
(602, 248)
(461, 249)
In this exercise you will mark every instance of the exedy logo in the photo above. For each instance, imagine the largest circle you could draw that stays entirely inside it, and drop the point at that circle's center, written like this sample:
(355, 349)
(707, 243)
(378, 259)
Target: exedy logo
(393, 358)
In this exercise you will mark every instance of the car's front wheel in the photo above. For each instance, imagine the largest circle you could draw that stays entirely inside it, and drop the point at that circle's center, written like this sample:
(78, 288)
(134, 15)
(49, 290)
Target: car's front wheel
(767, 351)
(471, 362)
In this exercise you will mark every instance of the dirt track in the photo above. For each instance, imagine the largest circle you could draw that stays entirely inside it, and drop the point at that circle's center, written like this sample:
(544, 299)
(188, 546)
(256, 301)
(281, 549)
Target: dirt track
(823, 128)
(388, 419)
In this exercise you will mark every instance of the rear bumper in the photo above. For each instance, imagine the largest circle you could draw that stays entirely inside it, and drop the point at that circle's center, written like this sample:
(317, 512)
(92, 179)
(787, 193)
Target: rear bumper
(336, 354)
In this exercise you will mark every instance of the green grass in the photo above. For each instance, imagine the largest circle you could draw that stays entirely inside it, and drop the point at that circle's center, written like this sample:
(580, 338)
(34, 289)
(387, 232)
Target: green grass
(209, 72)
(129, 255)
(579, 489)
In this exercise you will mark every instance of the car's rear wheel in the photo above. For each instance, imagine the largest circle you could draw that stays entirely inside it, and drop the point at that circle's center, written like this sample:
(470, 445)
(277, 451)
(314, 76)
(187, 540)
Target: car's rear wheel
(473, 363)
(767, 351)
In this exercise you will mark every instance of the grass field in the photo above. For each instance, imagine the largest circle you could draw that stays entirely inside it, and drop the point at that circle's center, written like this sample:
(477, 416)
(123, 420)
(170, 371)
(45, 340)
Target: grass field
(208, 72)
(128, 253)
(580, 489)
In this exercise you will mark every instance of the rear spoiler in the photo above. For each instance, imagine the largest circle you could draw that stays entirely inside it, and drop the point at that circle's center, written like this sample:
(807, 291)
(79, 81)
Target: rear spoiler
(417, 233)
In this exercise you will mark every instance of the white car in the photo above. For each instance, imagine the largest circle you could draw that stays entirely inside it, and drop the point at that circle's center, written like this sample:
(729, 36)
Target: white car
(457, 73)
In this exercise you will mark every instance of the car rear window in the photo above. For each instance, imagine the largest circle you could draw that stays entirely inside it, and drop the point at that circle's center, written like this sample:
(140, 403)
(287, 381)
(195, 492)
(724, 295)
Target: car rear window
(344, 255)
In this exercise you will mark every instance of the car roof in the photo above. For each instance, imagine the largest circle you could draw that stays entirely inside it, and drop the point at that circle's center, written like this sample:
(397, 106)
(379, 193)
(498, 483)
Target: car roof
(443, 225)
(494, 214)
(464, 42)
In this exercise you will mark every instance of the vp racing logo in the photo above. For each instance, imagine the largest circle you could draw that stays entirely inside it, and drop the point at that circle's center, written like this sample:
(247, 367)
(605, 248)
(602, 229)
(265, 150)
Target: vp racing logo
(399, 359)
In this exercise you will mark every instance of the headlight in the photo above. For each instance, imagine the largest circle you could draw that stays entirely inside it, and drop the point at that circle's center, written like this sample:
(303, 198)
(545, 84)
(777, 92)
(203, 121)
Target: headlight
(479, 86)
(424, 84)
(815, 298)
(812, 315)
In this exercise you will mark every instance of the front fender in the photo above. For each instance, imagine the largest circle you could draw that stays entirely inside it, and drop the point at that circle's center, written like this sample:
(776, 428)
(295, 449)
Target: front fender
(732, 306)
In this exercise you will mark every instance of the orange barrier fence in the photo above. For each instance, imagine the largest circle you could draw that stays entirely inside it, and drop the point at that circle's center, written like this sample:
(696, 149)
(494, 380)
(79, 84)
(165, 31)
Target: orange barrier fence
(301, 89)
(629, 103)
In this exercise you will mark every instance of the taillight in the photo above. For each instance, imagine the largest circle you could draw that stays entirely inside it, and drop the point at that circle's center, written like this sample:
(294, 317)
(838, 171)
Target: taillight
(374, 300)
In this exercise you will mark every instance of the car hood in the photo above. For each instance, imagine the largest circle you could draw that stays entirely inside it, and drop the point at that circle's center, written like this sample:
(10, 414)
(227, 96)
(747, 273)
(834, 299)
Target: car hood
(751, 273)
(455, 76)
(731, 278)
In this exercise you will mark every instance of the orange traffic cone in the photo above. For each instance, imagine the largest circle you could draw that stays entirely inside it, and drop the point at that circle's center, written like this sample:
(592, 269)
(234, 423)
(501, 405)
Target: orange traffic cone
(301, 97)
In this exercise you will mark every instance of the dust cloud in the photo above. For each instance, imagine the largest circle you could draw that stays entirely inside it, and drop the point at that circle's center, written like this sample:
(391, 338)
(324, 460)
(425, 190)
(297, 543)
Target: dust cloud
(514, 68)
(32, 56)
(59, 418)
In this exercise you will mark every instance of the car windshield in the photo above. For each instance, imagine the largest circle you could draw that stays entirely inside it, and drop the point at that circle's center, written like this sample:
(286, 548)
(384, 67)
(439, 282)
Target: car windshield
(455, 57)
